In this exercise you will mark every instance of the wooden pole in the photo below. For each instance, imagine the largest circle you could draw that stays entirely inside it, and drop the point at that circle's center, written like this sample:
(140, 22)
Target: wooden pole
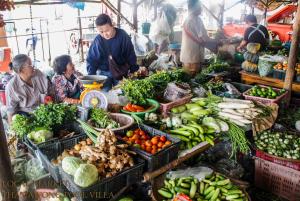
(8, 189)
(118, 16)
(80, 35)
(134, 15)
(288, 82)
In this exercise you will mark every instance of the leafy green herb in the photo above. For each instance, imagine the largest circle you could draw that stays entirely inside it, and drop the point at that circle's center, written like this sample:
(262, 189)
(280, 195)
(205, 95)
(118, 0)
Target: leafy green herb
(21, 125)
(101, 119)
(51, 115)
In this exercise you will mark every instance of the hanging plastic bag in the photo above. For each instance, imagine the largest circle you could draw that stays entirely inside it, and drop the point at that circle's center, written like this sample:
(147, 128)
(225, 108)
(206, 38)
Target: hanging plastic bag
(160, 30)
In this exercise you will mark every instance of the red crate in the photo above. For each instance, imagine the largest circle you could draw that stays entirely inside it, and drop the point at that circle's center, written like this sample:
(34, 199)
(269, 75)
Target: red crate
(166, 107)
(291, 163)
(265, 100)
(277, 179)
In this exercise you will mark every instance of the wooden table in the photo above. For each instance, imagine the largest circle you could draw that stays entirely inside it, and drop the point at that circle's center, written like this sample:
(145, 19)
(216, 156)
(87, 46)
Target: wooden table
(252, 78)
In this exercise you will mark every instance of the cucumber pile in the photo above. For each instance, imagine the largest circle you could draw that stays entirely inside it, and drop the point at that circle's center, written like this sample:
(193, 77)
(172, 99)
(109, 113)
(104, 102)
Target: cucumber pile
(279, 144)
(213, 188)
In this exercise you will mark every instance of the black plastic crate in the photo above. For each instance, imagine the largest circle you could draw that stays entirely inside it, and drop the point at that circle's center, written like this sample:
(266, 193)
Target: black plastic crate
(279, 74)
(161, 158)
(105, 188)
(71, 127)
(49, 151)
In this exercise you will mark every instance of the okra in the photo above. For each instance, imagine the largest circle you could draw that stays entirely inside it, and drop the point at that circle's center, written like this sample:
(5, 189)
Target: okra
(223, 190)
(223, 182)
(167, 184)
(193, 190)
(231, 192)
(185, 185)
(206, 181)
(208, 190)
(230, 197)
(165, 194)
(215, 195)
(201, 187)
(208, 196)
(182, 190)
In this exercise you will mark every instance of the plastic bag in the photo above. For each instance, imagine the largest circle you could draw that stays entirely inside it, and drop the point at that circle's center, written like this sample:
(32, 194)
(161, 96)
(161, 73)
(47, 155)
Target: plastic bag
(197, 172)
(200, 91)
(160, 30)
(175, 91)
(140, 44)
(34, 169)
(160, 64)
(232, 90)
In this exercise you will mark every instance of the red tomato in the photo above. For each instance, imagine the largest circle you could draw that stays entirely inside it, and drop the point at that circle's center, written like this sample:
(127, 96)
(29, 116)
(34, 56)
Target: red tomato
(138, 142)
(148, 143)
(160, 144)
(163, 138)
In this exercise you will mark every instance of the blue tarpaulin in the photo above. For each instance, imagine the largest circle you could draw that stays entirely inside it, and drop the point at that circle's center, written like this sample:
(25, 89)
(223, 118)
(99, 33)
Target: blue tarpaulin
(79, 5)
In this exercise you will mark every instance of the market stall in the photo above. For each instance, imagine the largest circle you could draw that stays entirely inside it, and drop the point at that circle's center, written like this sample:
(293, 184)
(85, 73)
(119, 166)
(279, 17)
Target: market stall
(206, 137)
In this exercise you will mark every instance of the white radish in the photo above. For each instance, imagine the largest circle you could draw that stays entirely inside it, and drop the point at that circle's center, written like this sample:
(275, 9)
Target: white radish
(233, 100)
(227, 105)
(231, 111)
(245, 121)
(230, 116)
(237, 122)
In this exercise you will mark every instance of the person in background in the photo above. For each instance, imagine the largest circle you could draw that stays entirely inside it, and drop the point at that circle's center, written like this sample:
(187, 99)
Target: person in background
(255, 33)
(111, 53)
(31, 41)
(194, 39)
(27, 89)
(171, 14)
(66, 83)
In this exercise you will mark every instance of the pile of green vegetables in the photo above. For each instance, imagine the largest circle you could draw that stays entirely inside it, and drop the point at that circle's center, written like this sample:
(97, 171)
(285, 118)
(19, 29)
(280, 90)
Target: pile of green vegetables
(215, 67)
(40, 124)
(280, 144)
(138, 91)
(214, 187)
(101, 119)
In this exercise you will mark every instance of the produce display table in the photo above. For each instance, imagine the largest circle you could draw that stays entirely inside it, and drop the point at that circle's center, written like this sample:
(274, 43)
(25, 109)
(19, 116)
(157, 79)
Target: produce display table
(252, 78)
(196, 150)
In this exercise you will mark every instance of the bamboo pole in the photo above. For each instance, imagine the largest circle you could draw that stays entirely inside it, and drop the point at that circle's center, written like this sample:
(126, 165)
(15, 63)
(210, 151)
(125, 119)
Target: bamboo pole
(288, 82)
(8, 189)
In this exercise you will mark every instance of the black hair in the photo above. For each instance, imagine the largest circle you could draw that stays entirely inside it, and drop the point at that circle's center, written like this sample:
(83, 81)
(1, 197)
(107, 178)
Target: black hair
(192, 4)
(18, 62)
(251, 18)
(60, 64)
(103, 19)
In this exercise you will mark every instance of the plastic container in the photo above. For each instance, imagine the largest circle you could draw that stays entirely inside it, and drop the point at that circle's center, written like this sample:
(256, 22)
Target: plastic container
(105, 188)
(291, 163)
(161, 158)
(166, 107)
(277, 100)
(279, 74)
(123, 119)
(279, 180)
(154, 105)
(32, 146)
(49, 151)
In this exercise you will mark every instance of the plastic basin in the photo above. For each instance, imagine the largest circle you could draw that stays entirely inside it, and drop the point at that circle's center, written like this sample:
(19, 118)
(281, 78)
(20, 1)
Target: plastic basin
(153, 104)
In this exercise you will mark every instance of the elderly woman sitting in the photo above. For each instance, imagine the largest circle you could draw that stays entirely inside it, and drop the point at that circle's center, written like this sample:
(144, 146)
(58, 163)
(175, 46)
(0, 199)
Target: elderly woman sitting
(27, 89)
(67, 86)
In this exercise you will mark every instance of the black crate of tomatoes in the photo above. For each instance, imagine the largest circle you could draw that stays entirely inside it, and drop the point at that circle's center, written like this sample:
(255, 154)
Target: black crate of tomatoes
(155, 146)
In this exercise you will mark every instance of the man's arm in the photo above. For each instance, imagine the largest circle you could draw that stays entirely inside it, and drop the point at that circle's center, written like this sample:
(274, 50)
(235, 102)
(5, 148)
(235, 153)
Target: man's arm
(93, 58)
(242, 45)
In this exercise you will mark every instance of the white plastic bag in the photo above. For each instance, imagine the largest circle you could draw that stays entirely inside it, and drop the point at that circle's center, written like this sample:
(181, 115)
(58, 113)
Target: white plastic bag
(198, 172)
(160, 30)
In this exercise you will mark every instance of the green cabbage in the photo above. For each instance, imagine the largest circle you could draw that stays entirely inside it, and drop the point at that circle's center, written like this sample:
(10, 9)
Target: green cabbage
(71, 164)
(86, 175)
(40, 135)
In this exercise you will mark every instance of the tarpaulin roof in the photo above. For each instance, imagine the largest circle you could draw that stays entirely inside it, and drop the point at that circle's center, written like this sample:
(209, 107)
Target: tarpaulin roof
(269, 4)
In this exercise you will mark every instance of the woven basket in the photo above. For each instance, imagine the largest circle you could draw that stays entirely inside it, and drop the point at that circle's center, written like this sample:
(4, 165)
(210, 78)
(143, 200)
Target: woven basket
(124, 120)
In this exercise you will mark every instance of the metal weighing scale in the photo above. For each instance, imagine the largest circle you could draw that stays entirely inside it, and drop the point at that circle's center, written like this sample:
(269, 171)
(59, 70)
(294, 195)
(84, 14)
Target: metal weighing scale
(91, 96)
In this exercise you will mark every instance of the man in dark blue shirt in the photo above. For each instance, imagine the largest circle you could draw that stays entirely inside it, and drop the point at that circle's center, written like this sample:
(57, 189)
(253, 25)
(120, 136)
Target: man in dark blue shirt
(111, 53)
